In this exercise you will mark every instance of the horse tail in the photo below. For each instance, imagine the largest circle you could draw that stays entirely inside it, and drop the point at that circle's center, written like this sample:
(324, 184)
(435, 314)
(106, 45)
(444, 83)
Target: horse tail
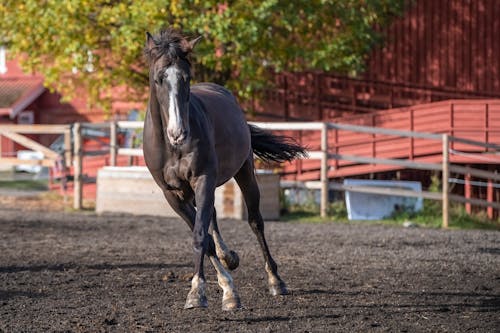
(275, 148)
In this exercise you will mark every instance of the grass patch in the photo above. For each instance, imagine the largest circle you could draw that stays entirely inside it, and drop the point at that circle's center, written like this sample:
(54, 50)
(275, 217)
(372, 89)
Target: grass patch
(309, 213)
(428, 217)
(431, 217)
(25, 185)
(302, 216)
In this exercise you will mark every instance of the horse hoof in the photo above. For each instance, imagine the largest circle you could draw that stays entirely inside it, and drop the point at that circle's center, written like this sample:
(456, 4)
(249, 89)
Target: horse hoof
(196, 302)
(231, 304)
(231, 261)
(278, 289)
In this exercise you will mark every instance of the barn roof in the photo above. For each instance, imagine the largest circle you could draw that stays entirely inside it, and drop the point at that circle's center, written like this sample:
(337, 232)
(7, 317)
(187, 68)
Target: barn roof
(18, 93)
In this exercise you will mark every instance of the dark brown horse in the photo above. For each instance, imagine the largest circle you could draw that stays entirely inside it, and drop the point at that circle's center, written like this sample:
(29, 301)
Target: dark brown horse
(195, 139)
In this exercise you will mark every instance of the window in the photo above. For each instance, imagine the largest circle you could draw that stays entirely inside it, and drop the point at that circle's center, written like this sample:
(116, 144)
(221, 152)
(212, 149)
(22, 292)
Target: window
(26, 117)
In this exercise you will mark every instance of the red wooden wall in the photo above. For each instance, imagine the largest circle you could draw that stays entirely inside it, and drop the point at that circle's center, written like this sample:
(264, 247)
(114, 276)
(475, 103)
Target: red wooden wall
(443, 43)
(477, 120)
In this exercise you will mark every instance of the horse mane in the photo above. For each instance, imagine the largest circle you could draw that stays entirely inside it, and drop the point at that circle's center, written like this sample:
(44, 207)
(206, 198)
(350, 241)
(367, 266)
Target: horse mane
(170, 43)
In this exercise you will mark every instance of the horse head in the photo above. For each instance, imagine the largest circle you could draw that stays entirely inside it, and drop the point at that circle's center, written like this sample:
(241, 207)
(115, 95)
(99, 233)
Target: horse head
(169, 77)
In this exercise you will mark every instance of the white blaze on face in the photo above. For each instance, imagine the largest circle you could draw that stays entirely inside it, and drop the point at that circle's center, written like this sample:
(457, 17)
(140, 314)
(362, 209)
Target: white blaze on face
(174, 126)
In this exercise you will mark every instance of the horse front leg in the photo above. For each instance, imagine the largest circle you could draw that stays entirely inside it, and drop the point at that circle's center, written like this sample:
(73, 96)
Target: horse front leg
(224, 260)
(229, 258)
(204, 196)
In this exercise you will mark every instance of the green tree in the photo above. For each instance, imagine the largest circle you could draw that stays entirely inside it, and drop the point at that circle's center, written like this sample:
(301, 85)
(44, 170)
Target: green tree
(95, 45)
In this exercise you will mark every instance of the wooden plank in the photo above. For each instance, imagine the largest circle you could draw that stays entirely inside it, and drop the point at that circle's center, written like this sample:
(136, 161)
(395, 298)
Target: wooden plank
(95, 152)
(35, 129)
(68, 153)
(29, 143)
(475, 172)
(475, 143)
(475, 68)
(386, 191)
(324, 171)
(495, 68)
(16, 161)
(452, 46)
(477, 202)
(77, 166)
(445, 185)
(316, 185)
(390, 191)
(95, 125)
(405, 163)
(113, 143)
(487, 46)
(289, 125)
(387, 131)
(130, 124)
(130, 151)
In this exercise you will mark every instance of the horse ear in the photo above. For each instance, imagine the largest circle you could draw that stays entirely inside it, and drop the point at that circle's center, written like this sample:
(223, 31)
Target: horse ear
(192, 43)
(150, 42)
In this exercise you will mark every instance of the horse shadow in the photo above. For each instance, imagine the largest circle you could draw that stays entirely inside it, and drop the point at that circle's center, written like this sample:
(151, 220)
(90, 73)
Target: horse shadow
(5, 295)
(478, 301)
(101, 266)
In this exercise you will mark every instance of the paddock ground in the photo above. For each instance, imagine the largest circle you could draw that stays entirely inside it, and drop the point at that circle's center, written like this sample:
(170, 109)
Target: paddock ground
(78, 272)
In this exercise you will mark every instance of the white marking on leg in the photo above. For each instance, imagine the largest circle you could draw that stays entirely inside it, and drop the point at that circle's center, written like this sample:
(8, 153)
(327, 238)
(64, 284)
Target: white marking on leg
(225, 281)
(197, 283)
(271, 278)
(276, 285)
(196, 296)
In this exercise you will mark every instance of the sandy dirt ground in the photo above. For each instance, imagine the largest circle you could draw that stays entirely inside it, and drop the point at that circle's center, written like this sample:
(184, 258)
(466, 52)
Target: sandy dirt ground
(79, 272)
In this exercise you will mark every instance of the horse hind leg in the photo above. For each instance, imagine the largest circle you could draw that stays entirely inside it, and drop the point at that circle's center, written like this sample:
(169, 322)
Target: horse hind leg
(248, 185)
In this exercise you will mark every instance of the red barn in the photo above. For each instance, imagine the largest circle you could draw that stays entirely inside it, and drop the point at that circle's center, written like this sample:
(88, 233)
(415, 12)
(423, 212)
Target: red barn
(438, 50)
(25, 100)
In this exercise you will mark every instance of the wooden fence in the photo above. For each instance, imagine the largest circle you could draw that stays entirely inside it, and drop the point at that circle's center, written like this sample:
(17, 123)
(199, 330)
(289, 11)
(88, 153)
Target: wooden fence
(59, 162)
(17, 133)
(324, 154)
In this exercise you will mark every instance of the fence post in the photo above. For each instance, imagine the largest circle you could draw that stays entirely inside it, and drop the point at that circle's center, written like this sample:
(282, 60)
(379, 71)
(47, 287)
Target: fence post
(468, 192)
(77, 167)
(445, 181)
(324, 170)
(489, 197)
(112, 142)
(68, 153)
